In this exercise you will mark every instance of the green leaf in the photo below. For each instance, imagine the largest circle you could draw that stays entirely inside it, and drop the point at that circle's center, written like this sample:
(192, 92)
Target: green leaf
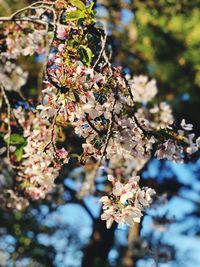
(91, 7)
(16, 139)
(78, 3)
(75, 15)
(73, 155)
(19, 153)
(85, 54)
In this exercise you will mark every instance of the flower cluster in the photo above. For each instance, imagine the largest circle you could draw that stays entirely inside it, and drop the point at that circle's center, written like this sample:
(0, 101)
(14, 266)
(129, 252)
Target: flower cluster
(40, 165)
(13, 77)
(142, 89)
(183, 143)
(8, 196)
(29, 40)
(126, 202)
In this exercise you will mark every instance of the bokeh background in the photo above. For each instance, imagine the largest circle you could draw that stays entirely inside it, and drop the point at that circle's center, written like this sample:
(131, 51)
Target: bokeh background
(160, 39)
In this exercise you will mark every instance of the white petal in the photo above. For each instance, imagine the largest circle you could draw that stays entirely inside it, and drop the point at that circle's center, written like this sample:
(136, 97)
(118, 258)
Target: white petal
(117, 192)
(124, 197)
(198, 141)
(104, 199)
(109, 222)
(137, 219)
(111, 178)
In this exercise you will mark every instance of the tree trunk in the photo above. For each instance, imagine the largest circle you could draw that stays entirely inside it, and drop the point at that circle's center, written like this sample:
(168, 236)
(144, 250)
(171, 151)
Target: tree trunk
(128, 258)
(96, 251)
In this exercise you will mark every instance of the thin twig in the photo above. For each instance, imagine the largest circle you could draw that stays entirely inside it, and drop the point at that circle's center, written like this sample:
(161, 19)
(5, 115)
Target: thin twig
(42, 5)
(109, 128)
(133, 114)
(9, 126)
(9, 115)
(32, 6)
(103, 41)
(109, 132)
(92, 125)
(52, 142)
(77, 200)
(36, 21)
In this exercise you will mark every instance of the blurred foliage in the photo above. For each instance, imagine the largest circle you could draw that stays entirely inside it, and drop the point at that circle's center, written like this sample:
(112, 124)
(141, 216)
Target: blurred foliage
(7, 7)
(160, 39)
(19, 234)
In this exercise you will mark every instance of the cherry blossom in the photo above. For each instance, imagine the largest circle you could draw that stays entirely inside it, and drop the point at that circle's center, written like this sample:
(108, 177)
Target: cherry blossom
(126, 202)
(120, 122)
(142, 89)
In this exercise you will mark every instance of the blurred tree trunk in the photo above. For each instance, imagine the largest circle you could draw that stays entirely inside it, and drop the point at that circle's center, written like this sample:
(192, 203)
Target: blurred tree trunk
(96, 251)
(129, 259)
